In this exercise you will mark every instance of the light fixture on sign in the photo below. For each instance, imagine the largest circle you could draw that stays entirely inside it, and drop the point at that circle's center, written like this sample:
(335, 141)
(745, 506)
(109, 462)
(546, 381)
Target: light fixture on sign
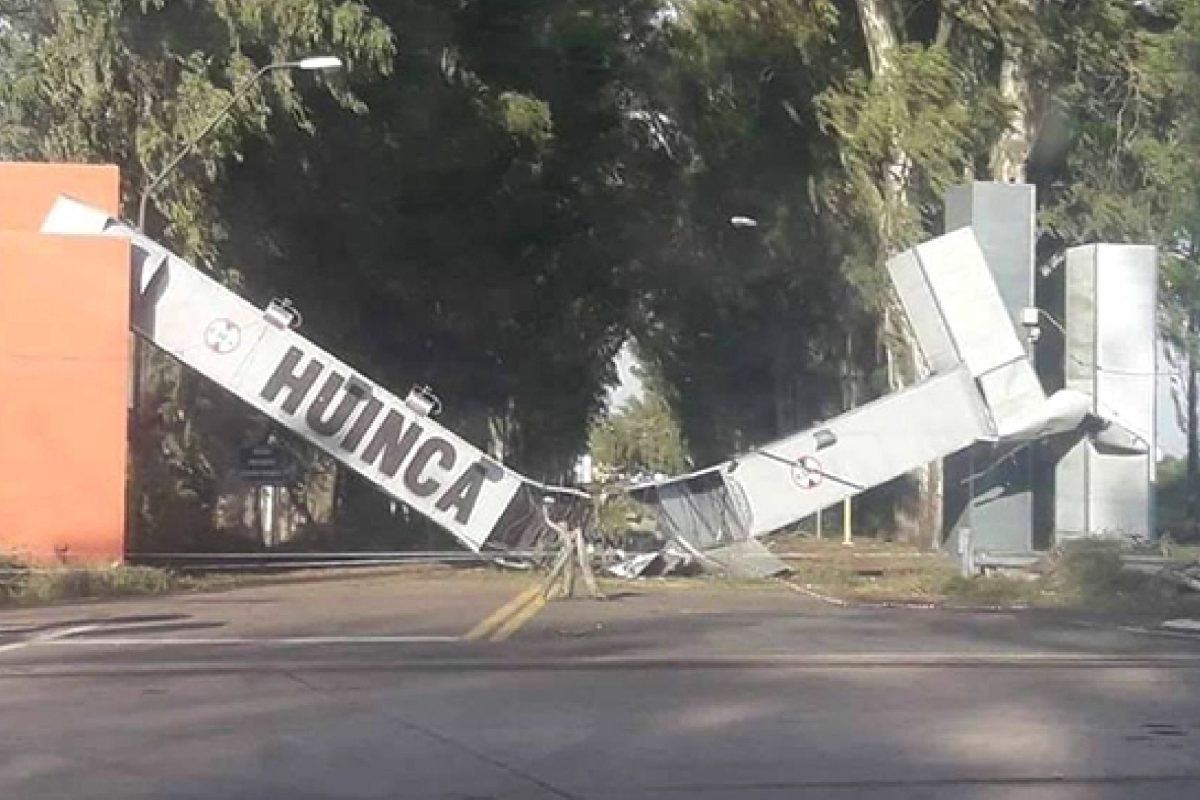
(824, 438)
(422, 401)
(282, 313)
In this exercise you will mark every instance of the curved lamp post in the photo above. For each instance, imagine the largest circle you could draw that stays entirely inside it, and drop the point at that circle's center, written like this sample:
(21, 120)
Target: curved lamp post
(313, 63)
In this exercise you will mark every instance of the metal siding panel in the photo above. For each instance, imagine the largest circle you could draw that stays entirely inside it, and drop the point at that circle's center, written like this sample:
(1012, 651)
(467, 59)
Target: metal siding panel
(970, 305)
(1080, 319)
(1001, 519)
(1118, 494)
(1012, 393)
(1126, 333)
(875, 443)
(916, 296)
(1002, 215)
(1071, 495)
(1111, 353)
(959, 207)
(1126, 284)
(1071, 502)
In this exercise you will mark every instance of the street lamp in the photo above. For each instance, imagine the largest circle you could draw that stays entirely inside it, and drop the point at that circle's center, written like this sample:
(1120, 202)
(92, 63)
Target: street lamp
(311, 64)
(741, 221)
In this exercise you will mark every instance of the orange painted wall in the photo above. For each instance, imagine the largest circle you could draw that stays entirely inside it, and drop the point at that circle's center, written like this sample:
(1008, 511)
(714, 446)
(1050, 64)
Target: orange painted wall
(27, 190)
(64, 345)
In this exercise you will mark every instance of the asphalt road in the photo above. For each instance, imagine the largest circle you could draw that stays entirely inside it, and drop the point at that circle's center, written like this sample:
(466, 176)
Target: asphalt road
(368, 688)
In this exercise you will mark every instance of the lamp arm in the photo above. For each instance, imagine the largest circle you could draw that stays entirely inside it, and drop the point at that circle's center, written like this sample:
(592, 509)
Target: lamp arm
(157, 180)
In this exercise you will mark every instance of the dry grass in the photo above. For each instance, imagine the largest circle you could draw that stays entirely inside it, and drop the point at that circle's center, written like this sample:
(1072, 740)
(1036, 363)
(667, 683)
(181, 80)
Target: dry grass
(1081, 575)
(21, 585)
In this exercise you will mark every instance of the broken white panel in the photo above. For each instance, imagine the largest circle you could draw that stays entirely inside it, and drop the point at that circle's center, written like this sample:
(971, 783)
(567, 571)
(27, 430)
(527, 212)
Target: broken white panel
(790, 479)
(748, 559)
(255, 354)
(966, 296)
(1063, 412)
(874, 444)
(953, 304)
(920, 305)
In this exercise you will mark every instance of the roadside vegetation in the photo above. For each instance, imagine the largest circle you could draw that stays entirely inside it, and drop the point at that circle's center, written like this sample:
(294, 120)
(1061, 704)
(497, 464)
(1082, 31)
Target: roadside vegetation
(1082, 575)
(23, 585)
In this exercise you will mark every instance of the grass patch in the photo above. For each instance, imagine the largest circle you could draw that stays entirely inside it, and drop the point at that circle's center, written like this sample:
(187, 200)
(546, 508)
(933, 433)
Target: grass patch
(1078, 575)
(21, 585)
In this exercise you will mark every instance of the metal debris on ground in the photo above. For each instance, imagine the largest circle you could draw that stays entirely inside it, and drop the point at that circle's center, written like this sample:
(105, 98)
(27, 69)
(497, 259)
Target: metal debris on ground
(667, 561)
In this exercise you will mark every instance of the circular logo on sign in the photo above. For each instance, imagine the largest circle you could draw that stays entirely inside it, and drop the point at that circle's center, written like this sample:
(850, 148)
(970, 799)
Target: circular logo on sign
(223, 336)
(806, 473)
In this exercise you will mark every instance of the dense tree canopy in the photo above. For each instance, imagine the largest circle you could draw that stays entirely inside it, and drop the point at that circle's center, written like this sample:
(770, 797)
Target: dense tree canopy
(493, 197)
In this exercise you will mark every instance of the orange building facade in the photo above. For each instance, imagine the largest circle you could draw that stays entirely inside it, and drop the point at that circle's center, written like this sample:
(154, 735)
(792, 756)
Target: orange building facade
(64, 371)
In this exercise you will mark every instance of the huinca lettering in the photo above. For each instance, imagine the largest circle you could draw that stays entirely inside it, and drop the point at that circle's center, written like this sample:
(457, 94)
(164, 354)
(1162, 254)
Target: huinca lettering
(463, 494)
(361, 425)
(413, 479)
(320, 405)
(285, 377)
(396, 442)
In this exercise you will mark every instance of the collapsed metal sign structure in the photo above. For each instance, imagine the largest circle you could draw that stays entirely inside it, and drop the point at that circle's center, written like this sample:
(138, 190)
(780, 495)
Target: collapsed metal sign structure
(981, 387)
(258, 356)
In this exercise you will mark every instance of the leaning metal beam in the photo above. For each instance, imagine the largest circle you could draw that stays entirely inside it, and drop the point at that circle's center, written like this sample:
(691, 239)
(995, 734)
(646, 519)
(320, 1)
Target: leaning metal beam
(958, 316)
(790, 479)
(256, 355)
(983, 388)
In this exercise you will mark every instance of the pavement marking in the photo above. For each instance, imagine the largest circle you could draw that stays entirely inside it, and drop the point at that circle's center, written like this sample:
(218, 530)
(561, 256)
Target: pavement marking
(517, 620)
(47, 637)
(267, 641)
(492, 622)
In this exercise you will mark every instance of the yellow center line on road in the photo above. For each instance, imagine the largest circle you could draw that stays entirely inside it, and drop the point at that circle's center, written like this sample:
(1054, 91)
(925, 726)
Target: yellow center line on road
(514, 623)
(501, 617)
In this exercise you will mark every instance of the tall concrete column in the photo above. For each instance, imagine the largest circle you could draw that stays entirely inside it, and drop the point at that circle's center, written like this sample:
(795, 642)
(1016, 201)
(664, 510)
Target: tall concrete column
(997, 504)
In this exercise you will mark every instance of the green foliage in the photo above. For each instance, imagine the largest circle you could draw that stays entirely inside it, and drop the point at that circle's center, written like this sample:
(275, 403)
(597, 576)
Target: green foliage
(922, 110)
(494, 196)
(1170, 489)
(619, 519)
(1110, 164)
(128, 82)
(526, 117)
(28, 586)
(1091, 572)
(641, 437)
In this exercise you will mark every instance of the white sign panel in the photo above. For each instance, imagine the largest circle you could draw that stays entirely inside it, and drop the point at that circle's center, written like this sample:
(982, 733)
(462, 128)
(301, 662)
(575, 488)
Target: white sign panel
(256, 356)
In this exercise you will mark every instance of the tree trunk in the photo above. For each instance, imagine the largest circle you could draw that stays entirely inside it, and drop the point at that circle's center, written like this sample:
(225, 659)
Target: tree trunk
(877, 18)
(1010, 154)
(879, 31)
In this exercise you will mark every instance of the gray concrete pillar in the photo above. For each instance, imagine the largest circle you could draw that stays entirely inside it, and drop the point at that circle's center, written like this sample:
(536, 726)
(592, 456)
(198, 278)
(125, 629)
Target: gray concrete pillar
(1105, 487)
(997, 505)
